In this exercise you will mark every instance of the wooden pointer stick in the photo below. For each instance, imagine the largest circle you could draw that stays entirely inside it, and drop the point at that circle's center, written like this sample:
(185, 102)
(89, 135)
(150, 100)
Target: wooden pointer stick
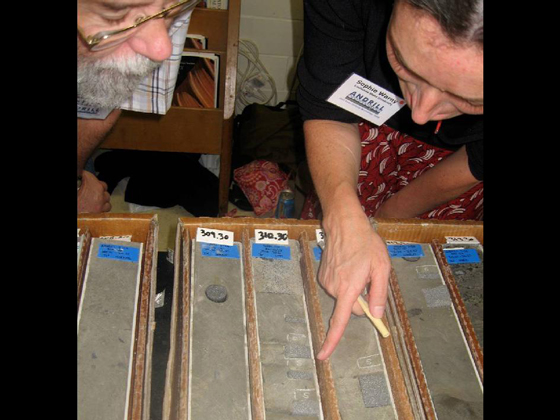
(377, 322)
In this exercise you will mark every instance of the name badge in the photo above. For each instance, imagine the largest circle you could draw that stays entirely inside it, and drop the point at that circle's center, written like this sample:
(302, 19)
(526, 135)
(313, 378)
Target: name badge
(366, 99)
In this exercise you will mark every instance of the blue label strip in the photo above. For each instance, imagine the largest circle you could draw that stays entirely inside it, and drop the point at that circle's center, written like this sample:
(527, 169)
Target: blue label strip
(408, 250)
(118, 252)
(461, 256)
(276, 252)
(317, 251)
(219, 251)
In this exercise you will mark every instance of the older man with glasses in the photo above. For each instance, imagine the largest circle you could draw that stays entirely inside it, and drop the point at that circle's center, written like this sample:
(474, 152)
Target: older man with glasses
(121, 43)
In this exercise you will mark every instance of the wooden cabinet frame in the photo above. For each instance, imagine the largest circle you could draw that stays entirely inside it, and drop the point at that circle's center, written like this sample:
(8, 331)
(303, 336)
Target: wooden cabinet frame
(191, 130)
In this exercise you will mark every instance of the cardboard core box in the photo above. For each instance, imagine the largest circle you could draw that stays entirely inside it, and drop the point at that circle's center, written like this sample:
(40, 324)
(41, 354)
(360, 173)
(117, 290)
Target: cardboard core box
(408, 387)
(142, 229)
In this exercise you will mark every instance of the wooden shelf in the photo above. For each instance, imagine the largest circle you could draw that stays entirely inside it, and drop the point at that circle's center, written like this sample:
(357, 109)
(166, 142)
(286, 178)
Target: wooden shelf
(213, 24)
(188, 130)
(194, 130)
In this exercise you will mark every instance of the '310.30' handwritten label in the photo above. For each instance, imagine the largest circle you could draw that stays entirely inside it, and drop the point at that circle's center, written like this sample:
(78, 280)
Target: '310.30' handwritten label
(273, 237)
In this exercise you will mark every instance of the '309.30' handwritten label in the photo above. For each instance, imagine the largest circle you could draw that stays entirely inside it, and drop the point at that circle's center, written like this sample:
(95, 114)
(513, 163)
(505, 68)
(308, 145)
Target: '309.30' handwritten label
(214, 236)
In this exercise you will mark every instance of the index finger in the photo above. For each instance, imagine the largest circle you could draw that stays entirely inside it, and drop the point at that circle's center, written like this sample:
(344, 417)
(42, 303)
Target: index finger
(339, 321)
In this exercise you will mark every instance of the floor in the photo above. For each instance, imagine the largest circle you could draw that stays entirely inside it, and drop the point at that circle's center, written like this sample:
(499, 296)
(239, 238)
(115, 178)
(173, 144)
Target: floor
(167, 218)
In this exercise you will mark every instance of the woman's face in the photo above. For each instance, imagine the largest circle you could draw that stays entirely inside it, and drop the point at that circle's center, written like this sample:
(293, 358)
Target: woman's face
(439, 79)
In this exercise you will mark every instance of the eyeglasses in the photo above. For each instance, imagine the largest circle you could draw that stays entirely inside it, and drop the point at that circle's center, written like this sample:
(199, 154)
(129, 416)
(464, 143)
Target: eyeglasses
(107, 39)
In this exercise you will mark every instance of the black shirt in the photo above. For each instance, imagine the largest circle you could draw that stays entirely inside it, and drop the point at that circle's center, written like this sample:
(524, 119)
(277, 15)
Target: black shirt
(348, 36)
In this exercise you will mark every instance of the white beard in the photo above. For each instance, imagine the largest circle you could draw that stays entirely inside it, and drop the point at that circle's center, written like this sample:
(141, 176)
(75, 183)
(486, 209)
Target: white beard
(108, 82)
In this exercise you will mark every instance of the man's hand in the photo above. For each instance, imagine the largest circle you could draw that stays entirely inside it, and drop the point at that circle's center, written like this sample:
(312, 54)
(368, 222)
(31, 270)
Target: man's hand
(92, 195)
(354, 257)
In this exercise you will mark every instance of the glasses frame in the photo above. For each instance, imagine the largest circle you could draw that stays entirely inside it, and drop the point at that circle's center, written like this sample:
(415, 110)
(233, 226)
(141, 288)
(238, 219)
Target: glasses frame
(93, 40)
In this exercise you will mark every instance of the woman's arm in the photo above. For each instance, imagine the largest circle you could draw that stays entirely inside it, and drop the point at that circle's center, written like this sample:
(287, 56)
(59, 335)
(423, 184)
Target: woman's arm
(354, 256)
(447, 180)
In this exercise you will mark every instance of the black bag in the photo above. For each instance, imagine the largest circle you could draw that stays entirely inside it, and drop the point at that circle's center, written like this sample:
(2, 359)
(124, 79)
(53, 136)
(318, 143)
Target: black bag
(273, 133)
(161, 179)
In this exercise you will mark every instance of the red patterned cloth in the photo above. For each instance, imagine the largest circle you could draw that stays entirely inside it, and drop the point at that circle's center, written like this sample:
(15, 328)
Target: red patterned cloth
(390, 161)
(261, 182)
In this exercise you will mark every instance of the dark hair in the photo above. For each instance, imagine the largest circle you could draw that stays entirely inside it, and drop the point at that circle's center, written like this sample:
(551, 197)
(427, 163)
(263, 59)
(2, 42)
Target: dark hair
(461, 20)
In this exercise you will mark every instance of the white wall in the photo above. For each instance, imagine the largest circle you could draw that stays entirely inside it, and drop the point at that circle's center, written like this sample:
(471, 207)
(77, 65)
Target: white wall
(276, 28)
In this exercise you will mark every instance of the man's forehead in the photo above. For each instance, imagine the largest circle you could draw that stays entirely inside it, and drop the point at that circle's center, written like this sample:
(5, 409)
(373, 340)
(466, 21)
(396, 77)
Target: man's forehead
(424, 50)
